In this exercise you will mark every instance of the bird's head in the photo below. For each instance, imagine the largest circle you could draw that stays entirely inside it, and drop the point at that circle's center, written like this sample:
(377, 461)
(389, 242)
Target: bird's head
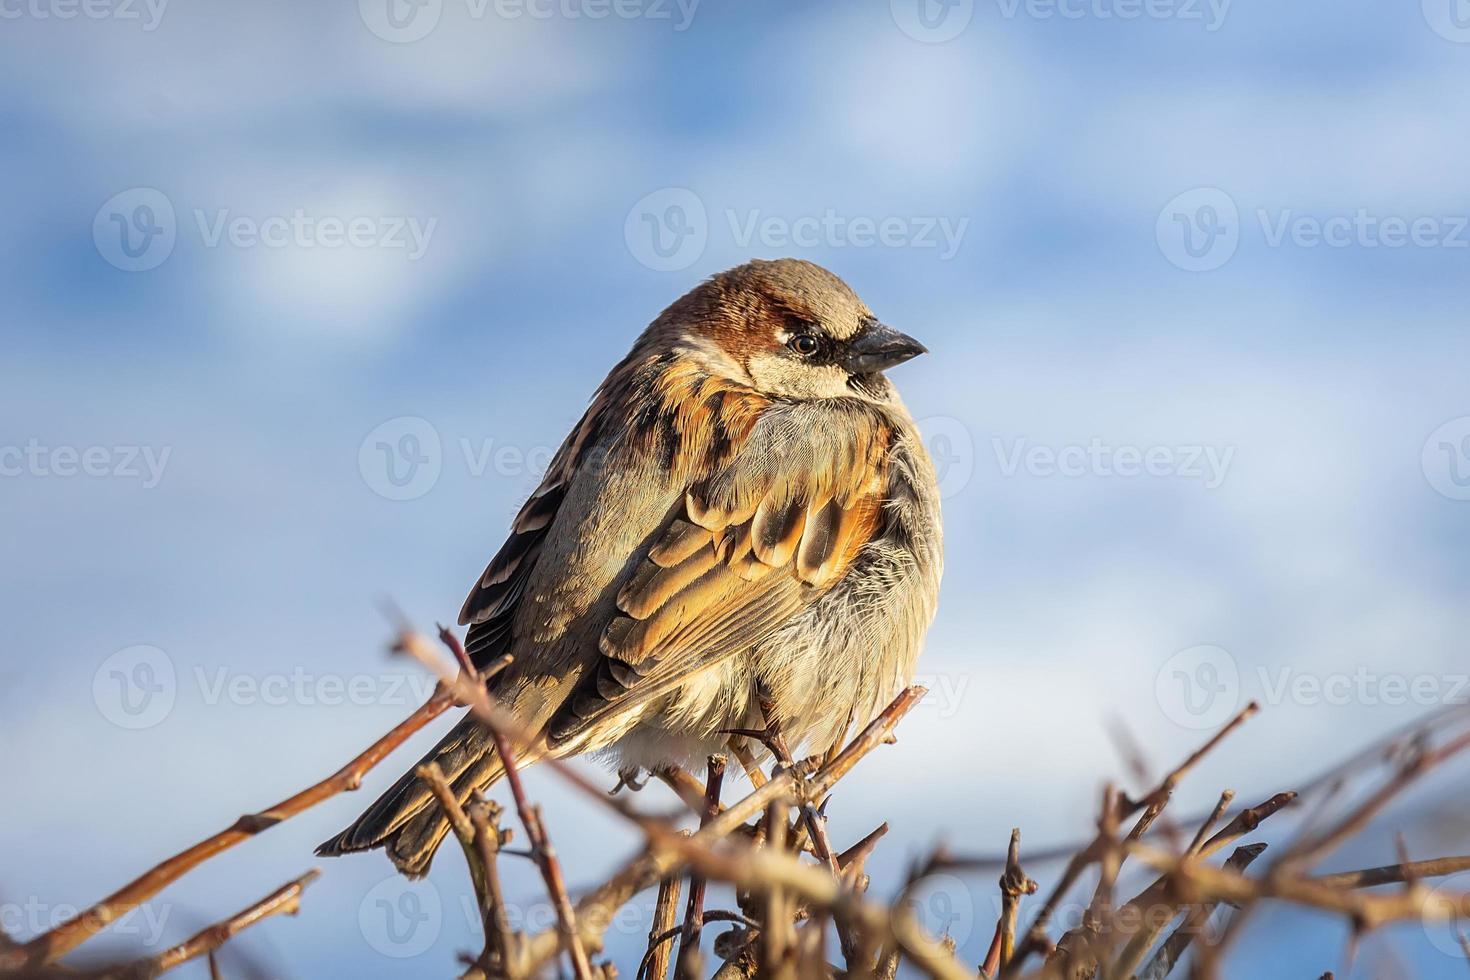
(788, 329)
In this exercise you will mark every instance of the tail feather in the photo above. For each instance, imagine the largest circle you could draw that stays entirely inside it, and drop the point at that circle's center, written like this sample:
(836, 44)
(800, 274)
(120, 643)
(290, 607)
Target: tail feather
(407, 820)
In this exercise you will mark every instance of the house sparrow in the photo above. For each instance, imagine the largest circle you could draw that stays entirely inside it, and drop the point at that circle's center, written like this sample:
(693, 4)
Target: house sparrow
(742, 531)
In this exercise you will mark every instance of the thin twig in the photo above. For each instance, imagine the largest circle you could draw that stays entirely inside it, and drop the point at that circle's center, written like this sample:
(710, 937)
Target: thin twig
(1013, 884)
(694, 910)
(499, 940)
(596, 908)
(655, 965)
(778, 937)
(285, 900)
(1194, 923)
(51, 946)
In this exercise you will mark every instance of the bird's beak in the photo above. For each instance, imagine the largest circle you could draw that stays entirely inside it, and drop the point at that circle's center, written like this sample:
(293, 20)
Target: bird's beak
(879, 348)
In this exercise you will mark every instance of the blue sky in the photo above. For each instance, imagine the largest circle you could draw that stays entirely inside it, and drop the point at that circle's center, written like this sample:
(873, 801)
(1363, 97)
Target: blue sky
(1193, 283)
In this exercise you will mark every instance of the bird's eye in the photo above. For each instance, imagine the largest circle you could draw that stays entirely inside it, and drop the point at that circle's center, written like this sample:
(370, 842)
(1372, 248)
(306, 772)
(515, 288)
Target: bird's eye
(804, 344)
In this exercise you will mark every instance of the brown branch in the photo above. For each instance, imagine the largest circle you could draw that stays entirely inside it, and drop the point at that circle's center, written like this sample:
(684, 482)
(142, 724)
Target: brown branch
(1310, 851)
(543, 853)
(500, 942)
(655, 963)
(757, 869)
(778, 937)
(684, 785)
(51, 946)
(596, 908)
(1367, 910)
(285, 900)
(1156, 920)
(852, 860)
(479, 837)
(663, 939)
(694, 910)
(1198, 843)
(1152, 805)
(1169, 952)
(1393, 874)
(1013, 884)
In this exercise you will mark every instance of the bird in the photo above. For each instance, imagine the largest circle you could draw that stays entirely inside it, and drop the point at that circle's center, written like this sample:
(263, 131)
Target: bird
(742, 533)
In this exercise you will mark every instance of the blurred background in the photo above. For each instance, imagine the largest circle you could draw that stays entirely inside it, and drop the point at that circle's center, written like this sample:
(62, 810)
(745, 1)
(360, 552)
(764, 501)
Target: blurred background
(298, 299)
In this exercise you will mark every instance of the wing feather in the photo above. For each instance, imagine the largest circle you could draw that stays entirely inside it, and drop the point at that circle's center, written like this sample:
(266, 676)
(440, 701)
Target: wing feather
(747, 552)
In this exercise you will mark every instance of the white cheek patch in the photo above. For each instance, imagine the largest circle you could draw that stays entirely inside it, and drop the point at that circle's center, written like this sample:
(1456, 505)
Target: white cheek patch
(779, 375)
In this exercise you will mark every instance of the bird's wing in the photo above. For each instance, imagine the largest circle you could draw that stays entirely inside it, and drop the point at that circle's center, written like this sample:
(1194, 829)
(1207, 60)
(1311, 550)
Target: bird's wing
(491, 607)
(768, 526)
